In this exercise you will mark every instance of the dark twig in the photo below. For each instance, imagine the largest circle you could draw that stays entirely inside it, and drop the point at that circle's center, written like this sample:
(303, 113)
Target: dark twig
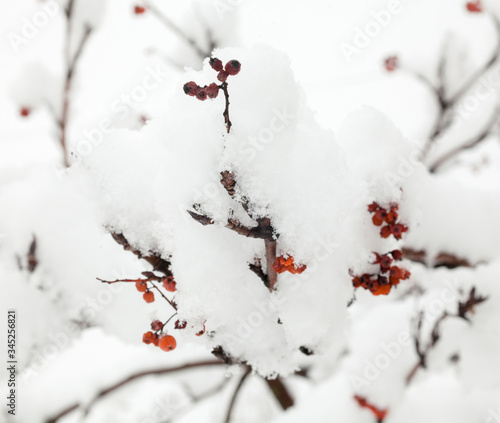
(280, 392)
(447, 260)
(179, 32)
(235, 395)
(227, 120)
(101, 394)
(32, 260)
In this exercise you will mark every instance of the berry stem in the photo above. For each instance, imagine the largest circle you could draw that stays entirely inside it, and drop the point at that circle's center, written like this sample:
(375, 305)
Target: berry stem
(170, 318)
(165, 297)
(227, 121)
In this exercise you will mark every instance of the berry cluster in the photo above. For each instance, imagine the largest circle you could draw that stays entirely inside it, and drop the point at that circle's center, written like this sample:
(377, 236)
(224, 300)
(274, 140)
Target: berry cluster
(212, 91)
(158, 339)
(389, 217)
(391, 63)
(377, 412)
(387, 277)
(475, 6)
(282, 264)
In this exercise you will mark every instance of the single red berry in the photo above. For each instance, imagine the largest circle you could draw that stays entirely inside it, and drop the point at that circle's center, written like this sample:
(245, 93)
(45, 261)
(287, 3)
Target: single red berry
(139, 10)
(191, 88)
(201, 94)
(356, 282)
(391, 63)
(396, 272)
(385, 263)
(156, 325)
(475, 6)
(379, 217)
(397, 254)
(141, 286)
(169, 284)
(212, 90)
(381, 290)
(373, 207)
(233, 67)
(25, 111)
(222, 76)
(216, 64)
(149, 297)
(167, 343)
(385, 232)
(397, 230)
(180, 325)
(391, 217)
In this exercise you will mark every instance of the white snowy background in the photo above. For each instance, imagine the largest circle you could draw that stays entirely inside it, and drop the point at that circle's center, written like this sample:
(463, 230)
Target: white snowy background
(320, 130)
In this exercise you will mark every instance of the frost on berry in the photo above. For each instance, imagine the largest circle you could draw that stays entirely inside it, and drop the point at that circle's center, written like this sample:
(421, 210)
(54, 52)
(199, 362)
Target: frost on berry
(391, 63)
(156, 325)
(233, 67)
(216, 64)
(474, 6)
(212, 90)
(180, 324)
(191, 88)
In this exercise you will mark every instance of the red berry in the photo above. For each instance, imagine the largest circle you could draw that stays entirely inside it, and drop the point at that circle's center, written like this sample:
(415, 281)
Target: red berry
(212, 90)
(216, 64)
(180, 325)
(391, 217)
(385, 263)
(149, 337)
(191, 88)
(149, 297)
(169, 284)
(233, 67)
(475, 6)
(156, 325)
(222, 76)
(139, 10)
(141, 286)
(397, 230)
(385, 232)
(167, 343)
(391, 63)
(201, 94)
(379, 217)
(373, 207)
(356, 282)
(382, 290)
(25, 111)
(397, 254)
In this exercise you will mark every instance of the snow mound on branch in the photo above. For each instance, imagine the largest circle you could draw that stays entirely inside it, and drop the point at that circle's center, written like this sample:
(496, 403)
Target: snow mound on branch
(288, 168)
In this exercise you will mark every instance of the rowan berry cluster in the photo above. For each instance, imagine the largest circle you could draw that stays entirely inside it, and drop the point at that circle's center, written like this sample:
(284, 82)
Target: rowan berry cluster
(286, 264)
(388, 220)
(387, 277)
(380, 414)
(212, 91)
(158, 338)
(474, 6)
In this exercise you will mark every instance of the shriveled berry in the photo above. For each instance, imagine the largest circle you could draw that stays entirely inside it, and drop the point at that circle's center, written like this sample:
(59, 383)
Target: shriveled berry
(397, 254)
(201, 94)
(212, 90)
(201, 331)
(373, 207)
(233, 67)
(216, 64)
(139, 10)
(222, 76)
(141, 286)
(149, 337)
(180, 325)
(191, 88)
(156, 325)
(169, 284)
(167, 343)
(149, 297)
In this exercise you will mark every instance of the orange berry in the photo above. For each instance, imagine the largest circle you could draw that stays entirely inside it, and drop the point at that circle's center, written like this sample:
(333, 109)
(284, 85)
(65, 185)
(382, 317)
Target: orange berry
(139, 10)
(169, 284)
(141, 286)
(149, 297)
(167, 343)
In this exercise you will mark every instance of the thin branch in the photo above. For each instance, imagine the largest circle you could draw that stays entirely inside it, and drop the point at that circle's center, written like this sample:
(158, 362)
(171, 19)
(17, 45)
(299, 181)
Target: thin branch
(467, 145)
(235, 395)
(227, 120)
(280, 392)
(101, 394)
(174, 28)
(443, 259)
(272, 275)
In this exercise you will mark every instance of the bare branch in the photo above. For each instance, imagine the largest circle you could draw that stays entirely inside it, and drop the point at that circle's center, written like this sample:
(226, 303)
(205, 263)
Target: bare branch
(235, 395)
